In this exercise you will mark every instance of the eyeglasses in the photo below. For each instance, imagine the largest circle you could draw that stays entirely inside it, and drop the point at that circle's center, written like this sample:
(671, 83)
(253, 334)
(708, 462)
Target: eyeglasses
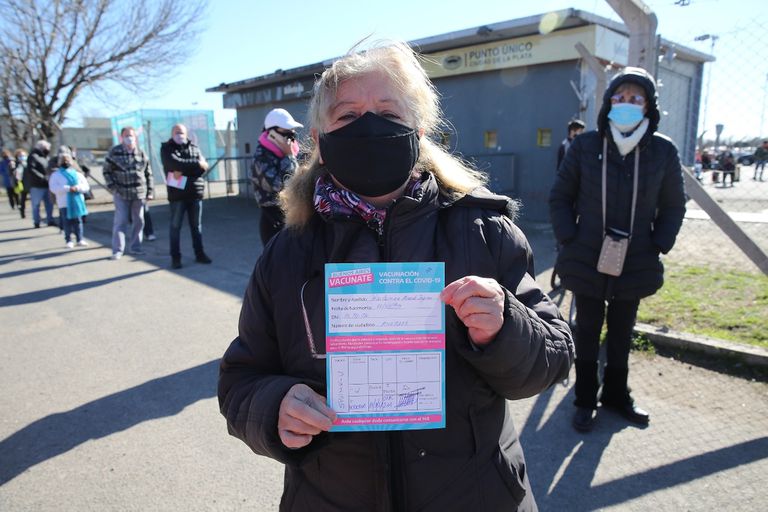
(287, 135)
(635, 99)
(307, 327)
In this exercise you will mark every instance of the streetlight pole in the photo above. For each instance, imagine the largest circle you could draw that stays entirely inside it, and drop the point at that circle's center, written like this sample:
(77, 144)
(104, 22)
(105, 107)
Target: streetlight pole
(713, 38)
(762, 112)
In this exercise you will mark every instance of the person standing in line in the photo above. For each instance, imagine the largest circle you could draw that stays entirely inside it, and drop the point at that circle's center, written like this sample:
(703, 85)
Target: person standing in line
(69, 186)
(7, 165)
(575, 127)
(378, 188)
(184, 166)
(619, 186)
(128, 177)
(761, 157)
(36, 181)
(20, 167)
(273, 161)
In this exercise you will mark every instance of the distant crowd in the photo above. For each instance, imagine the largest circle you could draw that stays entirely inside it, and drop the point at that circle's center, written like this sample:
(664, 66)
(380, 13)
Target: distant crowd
(59, 180)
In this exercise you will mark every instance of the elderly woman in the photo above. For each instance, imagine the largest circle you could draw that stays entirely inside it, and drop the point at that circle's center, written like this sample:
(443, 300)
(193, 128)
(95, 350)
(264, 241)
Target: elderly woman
(378, 189)
(69, 186)
(620, 186)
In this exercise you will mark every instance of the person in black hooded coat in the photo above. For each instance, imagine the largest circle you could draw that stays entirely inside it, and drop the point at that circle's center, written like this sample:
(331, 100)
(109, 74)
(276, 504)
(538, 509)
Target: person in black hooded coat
(626, 140)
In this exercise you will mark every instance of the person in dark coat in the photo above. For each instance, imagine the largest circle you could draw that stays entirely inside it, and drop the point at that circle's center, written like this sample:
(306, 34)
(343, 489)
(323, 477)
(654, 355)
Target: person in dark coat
(575, 127)
(184, 166)
(36, 182)
(376, 188)
(627, 144)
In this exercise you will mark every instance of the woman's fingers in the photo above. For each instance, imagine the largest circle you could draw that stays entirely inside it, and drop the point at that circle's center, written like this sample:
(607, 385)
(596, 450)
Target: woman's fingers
(479, 304)
(303, 414)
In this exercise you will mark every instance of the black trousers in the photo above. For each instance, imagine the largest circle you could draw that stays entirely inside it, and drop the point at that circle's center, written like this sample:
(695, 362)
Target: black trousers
(272, 221)
(621, 316)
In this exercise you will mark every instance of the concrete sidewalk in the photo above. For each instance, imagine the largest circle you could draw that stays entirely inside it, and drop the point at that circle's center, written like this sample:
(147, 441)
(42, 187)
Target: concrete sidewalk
(108, 371)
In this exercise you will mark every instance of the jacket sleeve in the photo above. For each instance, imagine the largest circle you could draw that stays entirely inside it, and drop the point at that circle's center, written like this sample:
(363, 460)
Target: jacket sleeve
(562, 197)
(534, 348)
(148, 176)
(252, 382)
(670, 208)
(82, 183)
(56, 183)
(37, 166)
(108, 172)
(188, 164)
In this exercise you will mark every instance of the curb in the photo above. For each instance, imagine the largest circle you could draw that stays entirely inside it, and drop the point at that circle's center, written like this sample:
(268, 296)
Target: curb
(748, 354)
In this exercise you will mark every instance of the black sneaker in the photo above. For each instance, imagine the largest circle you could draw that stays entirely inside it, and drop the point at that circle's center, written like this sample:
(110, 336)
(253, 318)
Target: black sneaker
(203, 258)
(176, 263)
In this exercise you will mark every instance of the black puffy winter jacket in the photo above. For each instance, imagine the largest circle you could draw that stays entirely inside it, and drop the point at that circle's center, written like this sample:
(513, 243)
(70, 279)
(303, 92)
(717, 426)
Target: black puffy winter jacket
(576, 205)
(476, 462)
(186, 159)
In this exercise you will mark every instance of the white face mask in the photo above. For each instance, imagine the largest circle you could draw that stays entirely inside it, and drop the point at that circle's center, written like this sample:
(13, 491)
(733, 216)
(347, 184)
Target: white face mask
(179, 138)
(129, 140)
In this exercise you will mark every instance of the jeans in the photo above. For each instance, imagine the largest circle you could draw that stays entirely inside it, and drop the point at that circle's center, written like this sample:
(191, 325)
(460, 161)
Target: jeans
(22, 203)
(41, 194)
(127, 210)
(148, 227)
(194, 210)
(759, 167)
(71, 226)
(621, 320)
(13, 199)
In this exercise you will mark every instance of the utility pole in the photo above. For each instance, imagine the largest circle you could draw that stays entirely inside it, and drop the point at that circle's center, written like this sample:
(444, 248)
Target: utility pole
(713, 38)
(642, 23)
(762, 112)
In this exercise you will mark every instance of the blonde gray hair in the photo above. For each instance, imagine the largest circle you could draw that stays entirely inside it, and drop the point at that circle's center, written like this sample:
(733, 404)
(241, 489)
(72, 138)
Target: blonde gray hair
(398, 63)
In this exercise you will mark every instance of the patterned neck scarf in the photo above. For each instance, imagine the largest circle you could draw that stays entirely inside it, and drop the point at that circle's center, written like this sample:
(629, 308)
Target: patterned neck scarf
(333, 202)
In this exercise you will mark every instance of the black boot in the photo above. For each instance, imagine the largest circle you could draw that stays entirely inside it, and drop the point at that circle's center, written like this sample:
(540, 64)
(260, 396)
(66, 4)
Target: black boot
(616, 396)
(586, 395)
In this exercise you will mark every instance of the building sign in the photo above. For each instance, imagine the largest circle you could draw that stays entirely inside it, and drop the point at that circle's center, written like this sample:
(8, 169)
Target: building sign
(270, 94)
(525, 51)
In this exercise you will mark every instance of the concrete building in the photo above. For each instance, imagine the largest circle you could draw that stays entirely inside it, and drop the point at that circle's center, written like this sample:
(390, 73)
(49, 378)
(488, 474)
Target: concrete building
(509, 90)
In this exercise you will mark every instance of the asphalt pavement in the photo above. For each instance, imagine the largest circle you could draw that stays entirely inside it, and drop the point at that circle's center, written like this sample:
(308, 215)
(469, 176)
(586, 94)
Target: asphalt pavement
(108, 375)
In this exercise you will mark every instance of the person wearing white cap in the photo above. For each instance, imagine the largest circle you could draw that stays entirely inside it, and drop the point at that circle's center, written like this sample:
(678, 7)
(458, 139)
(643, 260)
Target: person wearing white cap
(273, 160)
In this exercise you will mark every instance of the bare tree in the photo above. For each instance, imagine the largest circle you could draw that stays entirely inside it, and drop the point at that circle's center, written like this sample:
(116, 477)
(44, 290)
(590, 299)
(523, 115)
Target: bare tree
(53, 49)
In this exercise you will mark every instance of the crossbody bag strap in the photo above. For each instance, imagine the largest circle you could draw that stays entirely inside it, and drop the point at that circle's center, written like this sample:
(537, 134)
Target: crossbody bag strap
(634, 185)
(604, 180)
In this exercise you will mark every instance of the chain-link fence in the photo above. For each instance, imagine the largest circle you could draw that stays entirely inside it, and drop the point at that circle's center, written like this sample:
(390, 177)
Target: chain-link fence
(731, 129)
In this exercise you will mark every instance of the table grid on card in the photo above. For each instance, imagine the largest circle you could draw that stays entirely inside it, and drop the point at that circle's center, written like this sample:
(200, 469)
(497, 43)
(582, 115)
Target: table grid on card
(386, 383)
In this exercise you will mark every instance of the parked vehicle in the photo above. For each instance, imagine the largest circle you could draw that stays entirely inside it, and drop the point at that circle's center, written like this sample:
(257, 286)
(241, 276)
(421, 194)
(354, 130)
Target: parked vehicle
(745, 158)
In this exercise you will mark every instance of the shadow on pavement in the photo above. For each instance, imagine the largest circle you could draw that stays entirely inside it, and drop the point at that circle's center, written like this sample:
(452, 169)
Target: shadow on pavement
(38, 255)
(43, 295)
(677, 473)
(563, 463)
(58, 433)
(27, 271)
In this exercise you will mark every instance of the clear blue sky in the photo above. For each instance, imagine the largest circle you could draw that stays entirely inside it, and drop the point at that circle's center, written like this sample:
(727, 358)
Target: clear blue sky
(242, 40)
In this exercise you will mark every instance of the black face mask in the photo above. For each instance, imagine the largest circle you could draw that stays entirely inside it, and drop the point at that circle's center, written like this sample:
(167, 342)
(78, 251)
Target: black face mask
(371, 156)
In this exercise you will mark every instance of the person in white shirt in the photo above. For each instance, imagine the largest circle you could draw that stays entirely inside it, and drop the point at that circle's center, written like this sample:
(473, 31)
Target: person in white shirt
(69, 186)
